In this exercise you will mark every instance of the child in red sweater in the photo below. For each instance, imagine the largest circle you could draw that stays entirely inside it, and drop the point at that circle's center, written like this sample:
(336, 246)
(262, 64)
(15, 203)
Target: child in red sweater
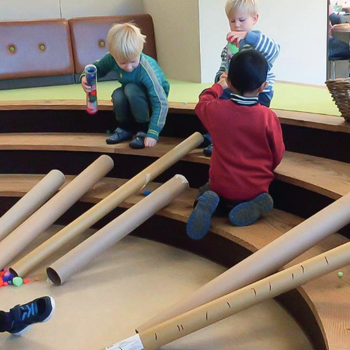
(248, 147)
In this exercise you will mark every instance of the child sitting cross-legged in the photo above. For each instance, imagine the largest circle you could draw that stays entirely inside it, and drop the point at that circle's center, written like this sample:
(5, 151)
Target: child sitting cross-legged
(140, 104)
(248, 147)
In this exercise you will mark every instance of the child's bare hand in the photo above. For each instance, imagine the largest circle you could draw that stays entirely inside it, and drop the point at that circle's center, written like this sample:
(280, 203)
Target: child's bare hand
(149, 142)
(236, 36)
(84, 85)
(224, 76)
(223, 82)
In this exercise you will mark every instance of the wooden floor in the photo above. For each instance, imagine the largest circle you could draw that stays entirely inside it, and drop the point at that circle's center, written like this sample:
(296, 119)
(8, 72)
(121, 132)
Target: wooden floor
(139, 278)
(328, 297)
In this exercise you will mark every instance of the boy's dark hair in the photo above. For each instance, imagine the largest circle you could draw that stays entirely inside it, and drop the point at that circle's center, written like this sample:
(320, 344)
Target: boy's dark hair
(248, 71)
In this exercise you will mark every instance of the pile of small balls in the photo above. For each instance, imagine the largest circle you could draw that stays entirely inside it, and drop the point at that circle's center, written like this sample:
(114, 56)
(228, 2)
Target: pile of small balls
(7, 278)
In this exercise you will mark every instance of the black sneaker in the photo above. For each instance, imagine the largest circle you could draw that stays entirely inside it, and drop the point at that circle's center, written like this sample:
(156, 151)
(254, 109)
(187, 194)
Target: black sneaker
(247, 213)
(139, 141)
(119, 135)
(38, 310)
(208, 150)
(207, 141)
(198, 223)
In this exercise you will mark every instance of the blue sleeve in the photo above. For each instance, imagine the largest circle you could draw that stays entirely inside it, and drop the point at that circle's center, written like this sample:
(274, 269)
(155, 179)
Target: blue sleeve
(264, 45)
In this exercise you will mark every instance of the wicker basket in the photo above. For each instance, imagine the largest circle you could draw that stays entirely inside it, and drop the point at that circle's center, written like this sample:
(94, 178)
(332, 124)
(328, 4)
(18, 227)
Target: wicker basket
(340, 91)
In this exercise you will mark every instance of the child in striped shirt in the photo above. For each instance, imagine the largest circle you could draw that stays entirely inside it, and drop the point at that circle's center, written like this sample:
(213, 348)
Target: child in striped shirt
(242, 16)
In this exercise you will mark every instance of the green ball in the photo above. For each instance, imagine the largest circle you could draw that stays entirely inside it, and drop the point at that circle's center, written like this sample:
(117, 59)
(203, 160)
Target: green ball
(340, 274)
(108, 132)
(17, 281)
(12, 49)
(102, 44)
(42, 47)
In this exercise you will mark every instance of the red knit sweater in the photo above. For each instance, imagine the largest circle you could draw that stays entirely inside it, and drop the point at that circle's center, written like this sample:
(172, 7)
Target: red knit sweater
(248, 145)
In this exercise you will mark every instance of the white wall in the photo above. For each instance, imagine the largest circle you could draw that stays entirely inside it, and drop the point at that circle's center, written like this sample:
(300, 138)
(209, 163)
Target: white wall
(300, 27)
(41, 9)
(84, 8)
(33, 9)
(177, 37)
(213, 27)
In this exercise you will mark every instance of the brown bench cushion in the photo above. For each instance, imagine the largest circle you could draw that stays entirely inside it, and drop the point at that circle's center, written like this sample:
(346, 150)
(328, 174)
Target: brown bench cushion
(35, 49)
(88, 32)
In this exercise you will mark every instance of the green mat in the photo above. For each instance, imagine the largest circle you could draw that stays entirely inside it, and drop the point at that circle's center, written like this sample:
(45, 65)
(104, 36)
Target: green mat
(287, 96)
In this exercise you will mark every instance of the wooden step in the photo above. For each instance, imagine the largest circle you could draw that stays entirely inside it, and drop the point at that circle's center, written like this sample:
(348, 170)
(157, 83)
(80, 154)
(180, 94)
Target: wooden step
(328, 297)
(324, 176)
(303, 119)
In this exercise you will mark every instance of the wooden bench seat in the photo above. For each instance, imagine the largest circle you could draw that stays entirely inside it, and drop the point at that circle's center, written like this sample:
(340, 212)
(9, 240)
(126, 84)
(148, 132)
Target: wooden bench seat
(328, 297)
(326, 177)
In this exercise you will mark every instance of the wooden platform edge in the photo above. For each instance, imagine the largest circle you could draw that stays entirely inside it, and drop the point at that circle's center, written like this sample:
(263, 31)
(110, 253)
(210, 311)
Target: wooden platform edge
(288, 117)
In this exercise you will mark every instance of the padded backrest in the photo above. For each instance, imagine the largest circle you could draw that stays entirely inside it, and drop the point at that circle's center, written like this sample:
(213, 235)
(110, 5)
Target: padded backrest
(89, 36)
(35, 49)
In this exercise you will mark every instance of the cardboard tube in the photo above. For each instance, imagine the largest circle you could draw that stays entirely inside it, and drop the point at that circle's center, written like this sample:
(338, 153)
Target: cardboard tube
(13, 244)
(265, 261)
(117, 229)
(109, 203)
(228, 305)
(31, 202)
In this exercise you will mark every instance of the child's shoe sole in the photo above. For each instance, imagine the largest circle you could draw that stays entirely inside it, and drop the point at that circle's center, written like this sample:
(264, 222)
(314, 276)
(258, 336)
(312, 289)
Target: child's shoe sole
(247, 213)
(198, 223)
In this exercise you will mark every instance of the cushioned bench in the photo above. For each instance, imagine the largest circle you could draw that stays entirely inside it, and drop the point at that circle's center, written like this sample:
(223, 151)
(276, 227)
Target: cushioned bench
(35, 53)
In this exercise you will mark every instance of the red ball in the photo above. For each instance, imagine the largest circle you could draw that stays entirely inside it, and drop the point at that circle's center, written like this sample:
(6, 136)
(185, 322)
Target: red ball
(1, 282)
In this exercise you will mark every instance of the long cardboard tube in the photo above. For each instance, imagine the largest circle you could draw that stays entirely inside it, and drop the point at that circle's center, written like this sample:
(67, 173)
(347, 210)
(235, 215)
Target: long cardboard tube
(228, 305)
(31, 202)
(77, 258)
(13, 244)
(102, 208)
(266, 260)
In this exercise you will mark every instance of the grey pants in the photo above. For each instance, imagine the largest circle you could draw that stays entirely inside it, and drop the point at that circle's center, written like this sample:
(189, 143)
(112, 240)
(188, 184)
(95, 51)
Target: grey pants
(132, 107)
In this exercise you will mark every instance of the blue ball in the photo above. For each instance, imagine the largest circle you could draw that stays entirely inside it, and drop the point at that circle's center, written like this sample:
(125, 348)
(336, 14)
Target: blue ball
(146, 192)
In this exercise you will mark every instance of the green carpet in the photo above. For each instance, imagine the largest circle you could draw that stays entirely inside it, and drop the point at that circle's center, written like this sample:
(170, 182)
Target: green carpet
(287, 96)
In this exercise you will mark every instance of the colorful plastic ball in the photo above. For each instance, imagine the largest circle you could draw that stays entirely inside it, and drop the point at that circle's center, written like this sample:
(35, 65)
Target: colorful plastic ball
(340, 274)
(146, 192)
(5, 284)
(17, 281)
(36, 278)
(1, 282)
(26, 280)
(9, 282)
(108, 132)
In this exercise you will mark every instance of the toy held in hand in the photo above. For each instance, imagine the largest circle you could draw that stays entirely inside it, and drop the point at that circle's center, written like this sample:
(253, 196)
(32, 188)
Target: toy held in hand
(91, 97)
(232, 49)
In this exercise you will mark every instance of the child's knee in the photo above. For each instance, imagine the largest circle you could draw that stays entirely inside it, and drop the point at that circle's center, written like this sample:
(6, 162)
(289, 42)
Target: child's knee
(133, 91)
(118, 96)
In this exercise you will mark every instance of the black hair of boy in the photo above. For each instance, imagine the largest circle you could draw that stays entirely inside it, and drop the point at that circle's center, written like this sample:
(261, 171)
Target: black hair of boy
(248, 71)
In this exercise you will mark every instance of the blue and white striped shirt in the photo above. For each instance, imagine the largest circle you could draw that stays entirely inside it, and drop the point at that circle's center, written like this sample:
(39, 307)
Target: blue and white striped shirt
(261, 43)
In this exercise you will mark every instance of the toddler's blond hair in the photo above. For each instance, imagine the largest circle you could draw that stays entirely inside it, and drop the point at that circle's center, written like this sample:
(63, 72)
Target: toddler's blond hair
(250, 6)
(125, 42)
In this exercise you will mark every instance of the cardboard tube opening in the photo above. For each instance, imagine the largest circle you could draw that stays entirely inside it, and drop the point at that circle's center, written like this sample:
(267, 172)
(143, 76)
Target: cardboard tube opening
(13, 272)
(53, 276)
